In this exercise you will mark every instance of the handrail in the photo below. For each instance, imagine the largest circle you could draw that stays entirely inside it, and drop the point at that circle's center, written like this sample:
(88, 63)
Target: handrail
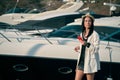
(5, 37)
(45, 37)
(110, 35)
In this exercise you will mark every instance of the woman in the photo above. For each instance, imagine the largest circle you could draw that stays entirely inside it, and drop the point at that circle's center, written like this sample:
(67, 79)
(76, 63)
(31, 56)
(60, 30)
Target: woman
(88, 62)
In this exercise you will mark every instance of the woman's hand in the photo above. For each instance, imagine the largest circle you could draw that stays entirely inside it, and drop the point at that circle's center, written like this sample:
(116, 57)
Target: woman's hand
(77, 48)
(82, 42)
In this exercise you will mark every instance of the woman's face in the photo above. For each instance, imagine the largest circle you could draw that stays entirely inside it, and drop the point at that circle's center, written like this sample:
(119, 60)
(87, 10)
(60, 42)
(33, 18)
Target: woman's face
(87, 22)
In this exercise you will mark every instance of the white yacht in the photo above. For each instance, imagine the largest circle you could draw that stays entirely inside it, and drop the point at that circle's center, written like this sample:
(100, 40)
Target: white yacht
(64, 14)
(34, 58)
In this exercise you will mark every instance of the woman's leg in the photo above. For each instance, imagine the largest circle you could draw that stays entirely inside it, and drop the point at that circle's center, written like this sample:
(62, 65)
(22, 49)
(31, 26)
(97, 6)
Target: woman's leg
(79, 74)
(90, 76)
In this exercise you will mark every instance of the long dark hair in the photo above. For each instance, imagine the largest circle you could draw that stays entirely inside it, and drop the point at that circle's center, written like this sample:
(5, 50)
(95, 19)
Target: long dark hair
(91, 28)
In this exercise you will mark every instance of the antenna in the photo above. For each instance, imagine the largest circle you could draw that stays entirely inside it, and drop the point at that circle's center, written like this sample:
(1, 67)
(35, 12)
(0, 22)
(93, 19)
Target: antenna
(110, 63)
(15, 8)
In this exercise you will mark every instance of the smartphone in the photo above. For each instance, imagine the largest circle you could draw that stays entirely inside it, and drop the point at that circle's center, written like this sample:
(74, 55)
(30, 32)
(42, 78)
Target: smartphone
(79, 38)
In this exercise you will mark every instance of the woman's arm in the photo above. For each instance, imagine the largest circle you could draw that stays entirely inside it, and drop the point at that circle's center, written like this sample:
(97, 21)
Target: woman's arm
(94, 45)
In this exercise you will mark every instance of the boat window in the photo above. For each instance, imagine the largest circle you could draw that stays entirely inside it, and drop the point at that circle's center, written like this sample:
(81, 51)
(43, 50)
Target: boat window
(72, 28)
(16, 10)
(108, 33)
(71, 31)
(22, 10)
(66, 32)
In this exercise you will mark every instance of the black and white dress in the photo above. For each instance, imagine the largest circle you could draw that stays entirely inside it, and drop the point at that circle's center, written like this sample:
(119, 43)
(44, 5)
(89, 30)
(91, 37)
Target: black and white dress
(82, 57)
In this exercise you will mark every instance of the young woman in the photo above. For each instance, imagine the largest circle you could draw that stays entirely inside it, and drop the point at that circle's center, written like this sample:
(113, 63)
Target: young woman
(88, 62)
